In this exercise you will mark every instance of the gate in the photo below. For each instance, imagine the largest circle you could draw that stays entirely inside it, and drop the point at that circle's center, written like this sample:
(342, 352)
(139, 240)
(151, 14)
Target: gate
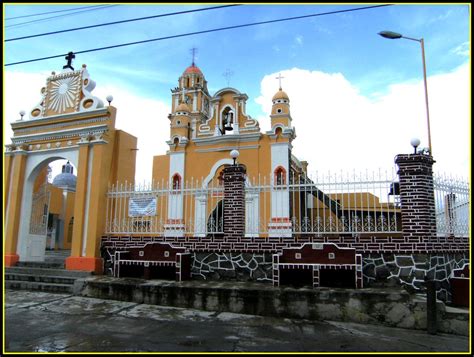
(39, 224)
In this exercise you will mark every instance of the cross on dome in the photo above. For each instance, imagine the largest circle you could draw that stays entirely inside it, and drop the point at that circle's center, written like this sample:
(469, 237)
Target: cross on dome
(193, 51)
(279, 79)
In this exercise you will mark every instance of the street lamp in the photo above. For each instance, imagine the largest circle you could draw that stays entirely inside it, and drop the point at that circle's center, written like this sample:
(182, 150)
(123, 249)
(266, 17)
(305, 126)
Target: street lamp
(393, 36)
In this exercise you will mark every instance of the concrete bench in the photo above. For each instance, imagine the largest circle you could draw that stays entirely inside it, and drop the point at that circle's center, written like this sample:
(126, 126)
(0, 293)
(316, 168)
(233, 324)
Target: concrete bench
(154, 255)
(316, 257)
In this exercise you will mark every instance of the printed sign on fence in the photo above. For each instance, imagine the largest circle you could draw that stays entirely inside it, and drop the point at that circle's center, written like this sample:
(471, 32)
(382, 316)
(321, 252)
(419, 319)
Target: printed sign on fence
(142, 206)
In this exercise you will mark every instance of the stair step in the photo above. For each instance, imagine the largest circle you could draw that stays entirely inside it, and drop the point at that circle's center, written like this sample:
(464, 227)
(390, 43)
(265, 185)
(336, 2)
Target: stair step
(47, 271)
(41, 278)
(53, 264)
(49, 287)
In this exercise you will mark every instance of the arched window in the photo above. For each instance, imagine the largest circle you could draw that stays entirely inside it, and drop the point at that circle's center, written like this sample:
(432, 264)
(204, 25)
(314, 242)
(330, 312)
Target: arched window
(176, 182)
(280, 176)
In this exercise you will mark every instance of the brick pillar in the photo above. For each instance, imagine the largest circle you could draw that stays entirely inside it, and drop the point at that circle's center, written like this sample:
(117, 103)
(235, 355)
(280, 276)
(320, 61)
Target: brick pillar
(417, 197)
(234, 201)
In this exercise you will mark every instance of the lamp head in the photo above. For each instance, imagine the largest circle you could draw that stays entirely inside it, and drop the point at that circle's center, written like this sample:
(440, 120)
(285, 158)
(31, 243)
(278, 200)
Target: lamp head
(109, 99)
(234, 154)
(390, 35)
(415, 142)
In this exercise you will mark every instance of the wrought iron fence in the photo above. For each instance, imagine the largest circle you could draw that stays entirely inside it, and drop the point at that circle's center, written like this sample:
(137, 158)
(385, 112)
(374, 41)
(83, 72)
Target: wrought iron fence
(163, 209)
(296, 204)
(452, 206)
(40, 211)
(333, 203)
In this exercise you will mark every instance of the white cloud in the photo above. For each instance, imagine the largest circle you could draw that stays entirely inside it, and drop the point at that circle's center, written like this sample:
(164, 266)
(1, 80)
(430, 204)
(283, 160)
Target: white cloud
(299, 40)
(338, 128)
(142, 117)
(462, 50)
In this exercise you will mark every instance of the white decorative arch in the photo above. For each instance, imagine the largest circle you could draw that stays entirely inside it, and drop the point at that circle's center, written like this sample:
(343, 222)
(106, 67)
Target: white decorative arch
(29, 247)
(277, 125)
(214, 170)
(226, 90)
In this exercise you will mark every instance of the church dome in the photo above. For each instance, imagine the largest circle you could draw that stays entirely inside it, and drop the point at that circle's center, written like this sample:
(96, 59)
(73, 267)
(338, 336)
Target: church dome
(280, 95)
(183, 107)
(66, 179)
(192, 69)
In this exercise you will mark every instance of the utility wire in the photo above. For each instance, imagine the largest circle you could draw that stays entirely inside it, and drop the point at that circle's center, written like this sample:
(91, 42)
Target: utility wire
(201, 32)
(119, 22)
(52, 17)
(51, 12)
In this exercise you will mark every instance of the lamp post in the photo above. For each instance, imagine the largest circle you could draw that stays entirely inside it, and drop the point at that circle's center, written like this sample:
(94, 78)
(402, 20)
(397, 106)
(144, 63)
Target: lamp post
(393, 36)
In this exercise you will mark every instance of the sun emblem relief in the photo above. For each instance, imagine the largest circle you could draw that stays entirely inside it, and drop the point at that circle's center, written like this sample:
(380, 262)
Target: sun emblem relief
(67, 92)
(64, 92)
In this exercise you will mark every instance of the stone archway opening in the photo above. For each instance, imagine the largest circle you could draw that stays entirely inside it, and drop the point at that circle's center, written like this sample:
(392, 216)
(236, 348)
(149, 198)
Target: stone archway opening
(47, 212)
(62, 185)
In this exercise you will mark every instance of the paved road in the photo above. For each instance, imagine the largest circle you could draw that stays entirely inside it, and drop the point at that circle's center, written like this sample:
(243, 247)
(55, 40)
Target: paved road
(45, 322)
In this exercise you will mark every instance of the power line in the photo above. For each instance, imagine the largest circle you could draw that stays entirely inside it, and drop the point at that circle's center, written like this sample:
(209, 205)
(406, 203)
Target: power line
(51, 12)
(53, 17)
(201, 32)
(119, 22)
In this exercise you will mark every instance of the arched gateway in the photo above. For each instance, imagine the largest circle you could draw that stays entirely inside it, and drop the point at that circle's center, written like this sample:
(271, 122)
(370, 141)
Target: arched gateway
(68, 123)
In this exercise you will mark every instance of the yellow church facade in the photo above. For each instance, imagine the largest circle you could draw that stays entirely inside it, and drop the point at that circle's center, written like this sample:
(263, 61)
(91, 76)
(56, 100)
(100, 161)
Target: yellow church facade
(204, 129)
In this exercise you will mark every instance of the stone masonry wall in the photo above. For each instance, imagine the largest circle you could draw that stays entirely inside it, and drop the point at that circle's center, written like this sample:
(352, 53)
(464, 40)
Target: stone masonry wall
(379, 269)
(410, 270)
(232, 266)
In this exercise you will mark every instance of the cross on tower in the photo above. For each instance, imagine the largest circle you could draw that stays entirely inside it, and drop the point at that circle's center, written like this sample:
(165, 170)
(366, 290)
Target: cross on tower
(279, 79)
(227, 74)
(70, 56)
(193, 51)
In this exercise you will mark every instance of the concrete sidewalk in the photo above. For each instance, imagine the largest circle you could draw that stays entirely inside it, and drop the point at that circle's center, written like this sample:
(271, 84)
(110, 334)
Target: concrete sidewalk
(46, 322)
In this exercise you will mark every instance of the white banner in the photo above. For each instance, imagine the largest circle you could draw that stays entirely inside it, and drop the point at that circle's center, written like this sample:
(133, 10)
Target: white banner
(142, 206)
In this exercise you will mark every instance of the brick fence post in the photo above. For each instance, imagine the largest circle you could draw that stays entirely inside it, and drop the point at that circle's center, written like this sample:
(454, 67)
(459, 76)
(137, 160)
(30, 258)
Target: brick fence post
(234, 201)
(417, 197)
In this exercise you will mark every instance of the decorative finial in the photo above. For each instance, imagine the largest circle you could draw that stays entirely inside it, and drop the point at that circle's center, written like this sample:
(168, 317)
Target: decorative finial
(279, 79)
(69, 57)
(109, 99)
(193, 51)
(84, 65)
(22, 113)
(227, 74)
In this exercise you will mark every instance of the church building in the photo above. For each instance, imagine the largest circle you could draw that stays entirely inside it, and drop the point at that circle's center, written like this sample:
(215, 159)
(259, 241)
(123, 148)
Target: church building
(204, 129)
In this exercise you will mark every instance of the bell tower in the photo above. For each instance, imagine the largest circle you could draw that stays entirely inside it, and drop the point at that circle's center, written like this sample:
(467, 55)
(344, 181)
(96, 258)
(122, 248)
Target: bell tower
(280, 115)
(192, 91)
(281, 135)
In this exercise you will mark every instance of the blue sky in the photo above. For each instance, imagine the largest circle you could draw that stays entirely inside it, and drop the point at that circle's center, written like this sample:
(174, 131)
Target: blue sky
(341, 53)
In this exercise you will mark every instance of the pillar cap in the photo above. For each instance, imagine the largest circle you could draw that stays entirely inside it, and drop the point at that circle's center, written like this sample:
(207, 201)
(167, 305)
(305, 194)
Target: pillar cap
(414, 158)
